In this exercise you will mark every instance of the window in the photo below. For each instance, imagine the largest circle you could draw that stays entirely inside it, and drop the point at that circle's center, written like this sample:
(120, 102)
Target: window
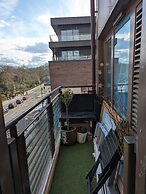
(63, 35)
(121, 66)
(70, 55)
(64, 55)
(76, 34)
(69, 35)
(108, 70)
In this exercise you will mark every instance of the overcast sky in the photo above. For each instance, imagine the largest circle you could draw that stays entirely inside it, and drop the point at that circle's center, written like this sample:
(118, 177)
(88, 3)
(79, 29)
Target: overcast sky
(25, 28)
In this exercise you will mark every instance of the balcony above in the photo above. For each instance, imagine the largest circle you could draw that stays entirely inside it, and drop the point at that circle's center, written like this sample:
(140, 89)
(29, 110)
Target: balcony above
(69, 42)
(58, 23)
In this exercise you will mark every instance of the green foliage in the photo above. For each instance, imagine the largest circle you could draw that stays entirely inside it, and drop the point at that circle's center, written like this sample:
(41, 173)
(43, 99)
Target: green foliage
(67, 97)
(14, 80)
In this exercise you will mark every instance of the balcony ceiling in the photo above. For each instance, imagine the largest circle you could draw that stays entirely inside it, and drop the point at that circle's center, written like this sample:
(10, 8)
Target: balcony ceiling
(57, 22)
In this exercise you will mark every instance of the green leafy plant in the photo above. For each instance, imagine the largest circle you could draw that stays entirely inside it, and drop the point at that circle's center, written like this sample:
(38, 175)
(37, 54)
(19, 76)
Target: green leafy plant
(66, 99)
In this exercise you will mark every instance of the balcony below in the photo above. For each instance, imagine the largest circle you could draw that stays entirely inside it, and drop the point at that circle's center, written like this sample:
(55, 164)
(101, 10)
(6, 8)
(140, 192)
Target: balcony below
(54, 38)
(72, 58)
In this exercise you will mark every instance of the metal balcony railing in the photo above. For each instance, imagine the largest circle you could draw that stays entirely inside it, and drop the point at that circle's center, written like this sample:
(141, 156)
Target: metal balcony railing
(70, 58)
(35, 145)
(54, 38)
(32, 148)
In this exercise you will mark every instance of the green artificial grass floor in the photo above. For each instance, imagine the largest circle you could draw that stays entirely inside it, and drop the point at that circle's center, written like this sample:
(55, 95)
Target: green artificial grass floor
(72, 166)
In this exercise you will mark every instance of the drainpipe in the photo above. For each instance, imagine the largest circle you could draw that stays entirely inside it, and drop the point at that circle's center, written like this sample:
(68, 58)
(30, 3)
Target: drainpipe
(92, 7)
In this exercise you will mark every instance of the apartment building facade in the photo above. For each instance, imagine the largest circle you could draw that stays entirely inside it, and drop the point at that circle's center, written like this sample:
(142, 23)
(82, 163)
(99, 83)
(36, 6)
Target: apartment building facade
(121, 49)
(71, 61)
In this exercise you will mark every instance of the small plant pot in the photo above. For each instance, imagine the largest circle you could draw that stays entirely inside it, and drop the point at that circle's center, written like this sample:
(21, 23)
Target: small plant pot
(89, 137)
(81, 137)
(68, 137)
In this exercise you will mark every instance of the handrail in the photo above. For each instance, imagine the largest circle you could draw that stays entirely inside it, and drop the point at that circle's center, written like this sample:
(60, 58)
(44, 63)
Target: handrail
(19, 117)
(39, 135)
(76, 86)
(55, 38)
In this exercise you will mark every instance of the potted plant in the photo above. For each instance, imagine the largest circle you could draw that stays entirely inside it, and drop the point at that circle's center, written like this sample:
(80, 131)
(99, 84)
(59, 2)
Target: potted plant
(68, 133)
(81, 135)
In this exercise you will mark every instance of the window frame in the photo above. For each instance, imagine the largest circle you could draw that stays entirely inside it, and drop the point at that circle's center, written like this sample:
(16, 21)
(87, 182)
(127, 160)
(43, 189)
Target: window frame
(111, 36)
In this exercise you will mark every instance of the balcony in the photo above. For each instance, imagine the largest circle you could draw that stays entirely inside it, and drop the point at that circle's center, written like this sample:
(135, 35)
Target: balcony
(54, 38)
(72, 58)
(72, 166)
(35, 150)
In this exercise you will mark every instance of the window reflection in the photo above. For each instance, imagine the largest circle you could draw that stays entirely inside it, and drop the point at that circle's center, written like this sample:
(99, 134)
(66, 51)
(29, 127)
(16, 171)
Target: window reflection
(121, 66)
(70, 55)
(69, 35)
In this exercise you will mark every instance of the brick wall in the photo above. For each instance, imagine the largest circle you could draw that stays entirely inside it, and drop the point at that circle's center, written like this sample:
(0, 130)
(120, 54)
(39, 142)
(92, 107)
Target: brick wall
(70, 73)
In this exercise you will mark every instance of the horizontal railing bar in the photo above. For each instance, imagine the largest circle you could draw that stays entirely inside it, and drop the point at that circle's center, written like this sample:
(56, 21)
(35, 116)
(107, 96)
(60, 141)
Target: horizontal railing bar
(32, 154)
(33, 151)
(34, 168)
(35, 119)
(52, 101)
(37, 136)
(76, 86)
(19, 117)
(40, 169)
(36, 127)
(32, 128)
(36, 186)
(55, 97)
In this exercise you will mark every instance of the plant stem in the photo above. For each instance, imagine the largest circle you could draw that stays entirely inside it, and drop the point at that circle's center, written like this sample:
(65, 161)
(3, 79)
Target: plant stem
(67, 118)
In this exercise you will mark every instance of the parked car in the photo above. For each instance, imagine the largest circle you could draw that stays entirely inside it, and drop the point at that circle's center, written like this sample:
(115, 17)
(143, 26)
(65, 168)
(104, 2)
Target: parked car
(24, 98)
(18, 101)
(11, 106)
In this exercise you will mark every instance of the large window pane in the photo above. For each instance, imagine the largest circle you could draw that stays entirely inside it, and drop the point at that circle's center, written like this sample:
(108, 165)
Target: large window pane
(76, 34)
(64, 55)
(63, 35)
(108, 71)
(69, 35)
(70, 55)
(121, 66)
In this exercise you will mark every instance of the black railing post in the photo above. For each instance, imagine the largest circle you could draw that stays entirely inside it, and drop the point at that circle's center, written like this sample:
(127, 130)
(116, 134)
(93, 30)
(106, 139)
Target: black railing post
(51, 123)
(60, 91)
(6, 174)
(92, 8)
(129, 164)
(22, 159)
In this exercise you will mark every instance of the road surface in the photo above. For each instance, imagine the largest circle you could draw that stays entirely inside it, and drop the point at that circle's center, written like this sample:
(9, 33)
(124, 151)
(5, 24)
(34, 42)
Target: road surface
(33, 97)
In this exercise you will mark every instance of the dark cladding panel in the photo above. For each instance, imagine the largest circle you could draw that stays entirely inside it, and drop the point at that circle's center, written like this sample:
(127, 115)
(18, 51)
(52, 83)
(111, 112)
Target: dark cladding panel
(69, 44)
(59, 23)
(106, 6)
(70, 20)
